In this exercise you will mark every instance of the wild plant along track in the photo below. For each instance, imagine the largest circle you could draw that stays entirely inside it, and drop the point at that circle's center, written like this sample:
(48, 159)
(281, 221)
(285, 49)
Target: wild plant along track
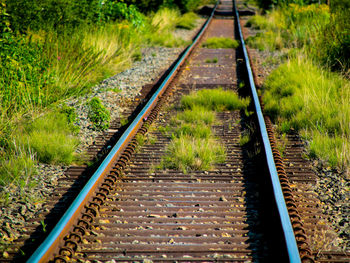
(141, 212)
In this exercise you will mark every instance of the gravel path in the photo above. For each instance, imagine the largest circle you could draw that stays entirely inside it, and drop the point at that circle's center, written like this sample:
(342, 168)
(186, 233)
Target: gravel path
(24, 204)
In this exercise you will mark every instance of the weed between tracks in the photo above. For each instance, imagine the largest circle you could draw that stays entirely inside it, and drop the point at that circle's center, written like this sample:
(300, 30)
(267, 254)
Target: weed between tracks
(220, 42)
(193, 145)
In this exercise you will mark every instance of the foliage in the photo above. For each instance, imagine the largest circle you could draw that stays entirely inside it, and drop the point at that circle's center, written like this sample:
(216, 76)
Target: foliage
(121, 11)
(220, 42)
(334, 45)
(23, 76)
(98, 114)
(153, 5)
(196, 114)
(302, 96)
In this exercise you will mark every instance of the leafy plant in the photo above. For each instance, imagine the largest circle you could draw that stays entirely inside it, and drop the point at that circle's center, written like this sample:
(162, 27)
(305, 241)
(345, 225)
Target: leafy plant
(98, 114)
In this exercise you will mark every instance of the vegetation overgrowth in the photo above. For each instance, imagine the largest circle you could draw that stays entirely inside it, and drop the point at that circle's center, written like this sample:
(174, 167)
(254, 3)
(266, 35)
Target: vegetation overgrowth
(220, 42)
(53, 50)
(193, 145)
(309, 92)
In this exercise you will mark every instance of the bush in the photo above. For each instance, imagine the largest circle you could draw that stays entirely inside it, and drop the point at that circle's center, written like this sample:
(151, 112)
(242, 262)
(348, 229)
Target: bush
(98, 114)
(59, 14)
(121, 11)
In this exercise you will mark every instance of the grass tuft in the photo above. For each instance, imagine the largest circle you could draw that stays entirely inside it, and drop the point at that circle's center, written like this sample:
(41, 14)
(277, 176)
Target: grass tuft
(187, 153)
(50, 138)
(198, 115)
(220, 42)
(19, 168)
(214, 99)
(187, 21)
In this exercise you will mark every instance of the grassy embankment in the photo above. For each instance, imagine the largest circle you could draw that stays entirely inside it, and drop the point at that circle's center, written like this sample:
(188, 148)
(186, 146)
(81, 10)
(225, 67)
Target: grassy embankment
(46, 61)
(193, 145)
(303, 93)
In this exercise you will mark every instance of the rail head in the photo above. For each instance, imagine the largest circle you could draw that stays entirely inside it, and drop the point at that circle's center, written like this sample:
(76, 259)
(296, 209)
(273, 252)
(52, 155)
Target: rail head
(43, 252)
(288, 232)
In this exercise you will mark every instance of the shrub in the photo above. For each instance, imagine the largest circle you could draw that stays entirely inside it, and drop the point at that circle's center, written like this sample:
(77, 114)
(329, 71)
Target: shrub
(121, 11)
(334, 44)
(220, 42)
(98, 114)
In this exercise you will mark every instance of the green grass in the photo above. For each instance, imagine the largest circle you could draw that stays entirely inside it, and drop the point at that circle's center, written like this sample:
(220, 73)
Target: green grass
(290, 26)
(160, 30)
(49, 138)
(193, 145)
(214, 99)
(187, 21)
(302, 96)
(19, 168)
(193, 130)
(197, 114)
(220, 42)
(244, 139)
(187, 153)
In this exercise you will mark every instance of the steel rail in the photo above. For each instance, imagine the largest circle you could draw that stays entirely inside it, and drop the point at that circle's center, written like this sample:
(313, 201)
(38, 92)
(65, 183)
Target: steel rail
(42, 253)
(289, 236)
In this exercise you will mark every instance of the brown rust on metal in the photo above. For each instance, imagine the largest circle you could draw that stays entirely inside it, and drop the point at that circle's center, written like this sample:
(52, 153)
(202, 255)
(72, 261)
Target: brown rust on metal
(298, 228)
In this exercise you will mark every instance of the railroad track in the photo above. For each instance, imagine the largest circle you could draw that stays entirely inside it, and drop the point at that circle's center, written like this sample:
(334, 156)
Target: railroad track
(130, 212)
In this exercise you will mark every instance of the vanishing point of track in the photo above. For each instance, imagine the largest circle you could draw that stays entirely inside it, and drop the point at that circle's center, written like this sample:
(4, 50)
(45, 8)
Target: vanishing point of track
(241, 211)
